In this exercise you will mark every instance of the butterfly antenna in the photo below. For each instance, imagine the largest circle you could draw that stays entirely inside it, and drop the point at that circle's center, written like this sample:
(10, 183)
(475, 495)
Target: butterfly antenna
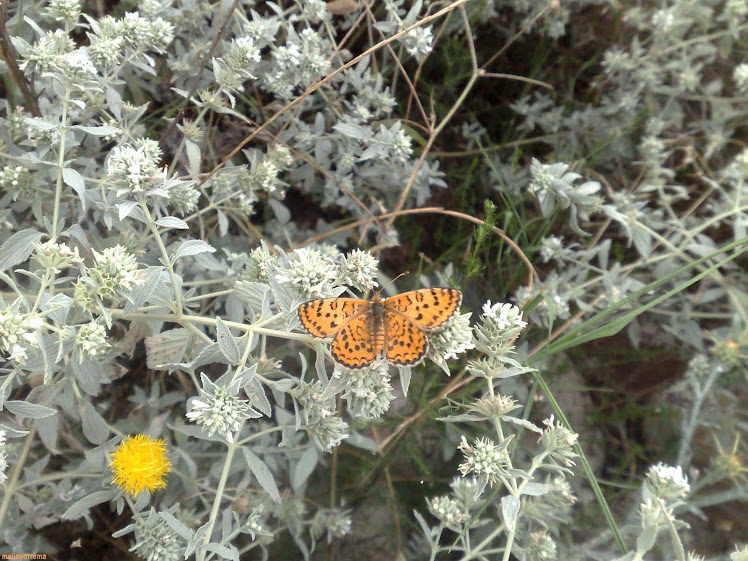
(401, 275)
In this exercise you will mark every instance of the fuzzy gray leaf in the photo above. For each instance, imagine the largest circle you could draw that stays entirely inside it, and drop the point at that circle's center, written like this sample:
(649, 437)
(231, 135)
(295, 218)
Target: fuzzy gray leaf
(89, 375)
(223, 551)
(537, 489)
(61, 301)
(304, 468)
(646, 539)
(95, 428)
(168, 347)
(48, 429)
(209, 354)
(262, 473)
(40, 124)
(226, 342)
(140, 293)
(74, 180)
(98, 131)
(522, 423)
(18, 248)
(192, 247)
(509, 511)
(28, 410)
(82, 506)
(172, 222)
(176, 525)
(124, 209)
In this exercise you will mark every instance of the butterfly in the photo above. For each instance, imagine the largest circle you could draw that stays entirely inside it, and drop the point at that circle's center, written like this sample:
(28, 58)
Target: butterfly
(395, 327)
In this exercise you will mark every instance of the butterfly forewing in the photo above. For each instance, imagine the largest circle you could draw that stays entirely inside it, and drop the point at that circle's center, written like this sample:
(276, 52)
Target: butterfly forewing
(325, 317)
(428, 308)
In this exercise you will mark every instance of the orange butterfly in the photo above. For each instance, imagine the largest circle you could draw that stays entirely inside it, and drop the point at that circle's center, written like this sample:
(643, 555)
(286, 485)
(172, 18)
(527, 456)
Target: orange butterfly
(395, 327)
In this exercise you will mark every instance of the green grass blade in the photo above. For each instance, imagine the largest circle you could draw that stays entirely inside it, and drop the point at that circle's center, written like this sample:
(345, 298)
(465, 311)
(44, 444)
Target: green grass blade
(580, 334)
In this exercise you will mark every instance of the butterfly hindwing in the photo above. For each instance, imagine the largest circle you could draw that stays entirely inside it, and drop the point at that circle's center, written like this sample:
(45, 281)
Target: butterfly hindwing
(326, 317)
(406, 343)
(428, 308)
(359, 342)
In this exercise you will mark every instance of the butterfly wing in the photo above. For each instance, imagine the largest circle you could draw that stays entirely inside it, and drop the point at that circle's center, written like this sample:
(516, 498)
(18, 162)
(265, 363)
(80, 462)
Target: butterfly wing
(406, 343)
(428, 308)
(327, 316)
(359, 342)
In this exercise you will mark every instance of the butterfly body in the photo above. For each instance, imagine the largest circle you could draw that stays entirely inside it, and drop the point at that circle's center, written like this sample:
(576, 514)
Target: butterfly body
(395, 327)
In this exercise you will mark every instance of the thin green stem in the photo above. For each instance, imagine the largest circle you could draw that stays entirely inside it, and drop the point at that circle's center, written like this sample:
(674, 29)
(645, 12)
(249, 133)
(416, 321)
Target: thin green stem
(175, 284)
(60, 164)
(218, 499)
(10, 487)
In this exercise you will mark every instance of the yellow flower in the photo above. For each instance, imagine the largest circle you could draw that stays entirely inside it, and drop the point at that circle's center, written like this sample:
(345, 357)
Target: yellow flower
(140, 464)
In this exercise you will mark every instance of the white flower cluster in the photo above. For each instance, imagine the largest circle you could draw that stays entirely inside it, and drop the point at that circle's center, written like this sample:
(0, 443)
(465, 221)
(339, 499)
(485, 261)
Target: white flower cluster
(455, 509)
(57, 51)
(254, 526)
(48, 51)
(333, 522)
(324, 427)
(737, 170)
(218, 408)
(266, 169)
(244, 54)
(143, 33)
(486, 459)
(116, 38)
(261, 264)
(371, 98)
(90, 339)
(699, 368)
(541, 547)
(18, 331)
(558, 442)
(238, 65)
(493, 407)
(116, 271)
(66, 11)
(328, 432)
(555, 187)
(79, 64)
(359, 269)
(448, 511)
(301, 62)
(56, 256)
(309, 270)
(134, 170)
(735, 10)
(666, 482)
(418, 42)
(497, 328)
(315, 11)
(453, 338)
(506, 317)
(15, 180)
(314, 272)
(367, 390)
